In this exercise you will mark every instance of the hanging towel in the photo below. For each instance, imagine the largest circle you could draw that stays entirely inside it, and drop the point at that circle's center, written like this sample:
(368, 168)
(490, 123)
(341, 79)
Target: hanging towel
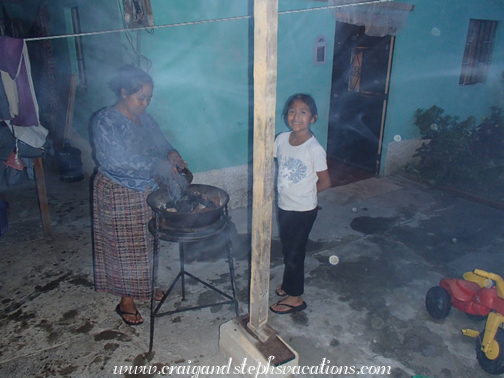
(7, 141)
(11, 93)
(16, 63)
(32, 136)
(4, 104)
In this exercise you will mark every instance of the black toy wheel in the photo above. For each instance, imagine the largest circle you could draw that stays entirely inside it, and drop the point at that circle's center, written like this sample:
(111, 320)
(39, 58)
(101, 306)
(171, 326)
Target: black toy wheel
(495, 366)
(476, 318)
(438, 302)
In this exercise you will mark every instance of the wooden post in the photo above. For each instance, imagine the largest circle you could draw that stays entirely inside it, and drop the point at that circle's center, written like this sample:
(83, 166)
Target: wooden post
(265, 77)
(70, 107)
(42, 196)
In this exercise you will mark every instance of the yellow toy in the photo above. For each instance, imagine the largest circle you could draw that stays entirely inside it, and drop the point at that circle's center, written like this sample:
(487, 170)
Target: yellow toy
(479, 293)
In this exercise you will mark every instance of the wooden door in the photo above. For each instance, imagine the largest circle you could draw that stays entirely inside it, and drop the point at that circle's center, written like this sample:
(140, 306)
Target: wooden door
(361, 70)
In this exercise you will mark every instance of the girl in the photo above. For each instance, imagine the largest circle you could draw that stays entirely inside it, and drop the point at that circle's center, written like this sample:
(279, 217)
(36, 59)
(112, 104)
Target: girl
(302, 173)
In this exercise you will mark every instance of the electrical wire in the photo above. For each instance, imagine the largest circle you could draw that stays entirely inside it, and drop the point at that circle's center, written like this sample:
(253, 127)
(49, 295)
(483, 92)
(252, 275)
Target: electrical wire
(131, 46)
(152, 28)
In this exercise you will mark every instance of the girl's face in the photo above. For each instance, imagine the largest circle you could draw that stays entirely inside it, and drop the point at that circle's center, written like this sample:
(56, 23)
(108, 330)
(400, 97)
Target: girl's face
(299, 116)
(136, 103)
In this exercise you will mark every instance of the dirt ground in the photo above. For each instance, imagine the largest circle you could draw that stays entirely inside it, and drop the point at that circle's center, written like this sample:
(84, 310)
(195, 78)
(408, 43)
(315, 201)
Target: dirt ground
(394, 238)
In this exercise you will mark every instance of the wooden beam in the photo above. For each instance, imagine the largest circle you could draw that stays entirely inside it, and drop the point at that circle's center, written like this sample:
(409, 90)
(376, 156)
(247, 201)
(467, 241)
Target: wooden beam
(70, 108)
(265, 77)
(42, 196)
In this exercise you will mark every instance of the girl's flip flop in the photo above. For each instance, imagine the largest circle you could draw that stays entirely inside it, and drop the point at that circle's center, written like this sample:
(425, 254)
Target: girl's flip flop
(291, 309)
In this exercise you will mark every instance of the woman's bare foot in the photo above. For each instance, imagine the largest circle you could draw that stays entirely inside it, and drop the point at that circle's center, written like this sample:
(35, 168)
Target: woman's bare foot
(128, 311)
(159, 294)
(279, 291)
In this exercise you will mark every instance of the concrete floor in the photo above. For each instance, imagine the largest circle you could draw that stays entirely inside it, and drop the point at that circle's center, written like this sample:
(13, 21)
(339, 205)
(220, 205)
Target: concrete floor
(394, 238)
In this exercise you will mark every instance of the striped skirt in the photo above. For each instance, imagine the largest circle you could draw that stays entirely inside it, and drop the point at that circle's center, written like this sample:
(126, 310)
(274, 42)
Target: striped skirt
(123, 245)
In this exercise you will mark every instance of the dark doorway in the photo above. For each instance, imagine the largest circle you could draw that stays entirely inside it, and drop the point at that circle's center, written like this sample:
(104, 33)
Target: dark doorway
(361, 68)
(343, 174)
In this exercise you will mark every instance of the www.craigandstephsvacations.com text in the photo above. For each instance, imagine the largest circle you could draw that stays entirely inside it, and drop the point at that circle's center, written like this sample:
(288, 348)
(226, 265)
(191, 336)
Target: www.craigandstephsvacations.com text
(253, 368)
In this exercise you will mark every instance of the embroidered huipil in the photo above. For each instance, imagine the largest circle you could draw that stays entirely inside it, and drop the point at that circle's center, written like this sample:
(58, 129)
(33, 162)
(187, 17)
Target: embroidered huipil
(127, 152)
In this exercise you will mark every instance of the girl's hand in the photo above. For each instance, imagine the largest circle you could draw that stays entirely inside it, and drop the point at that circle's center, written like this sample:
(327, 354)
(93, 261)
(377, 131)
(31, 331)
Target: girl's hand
(324, 181)
(175, 158)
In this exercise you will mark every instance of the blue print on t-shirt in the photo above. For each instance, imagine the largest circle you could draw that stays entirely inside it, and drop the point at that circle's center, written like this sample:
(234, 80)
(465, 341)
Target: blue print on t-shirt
(292, 169)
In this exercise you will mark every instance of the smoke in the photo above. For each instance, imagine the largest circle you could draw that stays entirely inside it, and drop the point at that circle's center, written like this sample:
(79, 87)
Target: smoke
(359, 127)
(169, 179)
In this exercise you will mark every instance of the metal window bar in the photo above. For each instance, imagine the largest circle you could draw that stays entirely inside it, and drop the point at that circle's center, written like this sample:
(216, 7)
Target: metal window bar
(355, 69)
(478, 51)
(467, 51)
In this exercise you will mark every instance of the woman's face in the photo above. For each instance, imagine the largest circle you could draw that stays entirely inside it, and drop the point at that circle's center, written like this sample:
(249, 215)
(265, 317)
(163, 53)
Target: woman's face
(136, 103)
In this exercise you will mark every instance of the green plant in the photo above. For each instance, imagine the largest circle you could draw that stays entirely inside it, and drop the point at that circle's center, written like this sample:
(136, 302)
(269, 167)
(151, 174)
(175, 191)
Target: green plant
(488, 142)
(448, 154)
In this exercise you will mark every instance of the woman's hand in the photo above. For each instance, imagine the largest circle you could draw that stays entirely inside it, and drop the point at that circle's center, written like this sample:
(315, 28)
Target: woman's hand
(177, 161)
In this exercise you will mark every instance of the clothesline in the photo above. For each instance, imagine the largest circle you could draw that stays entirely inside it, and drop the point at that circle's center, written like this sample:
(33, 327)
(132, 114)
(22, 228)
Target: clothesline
(205, 21)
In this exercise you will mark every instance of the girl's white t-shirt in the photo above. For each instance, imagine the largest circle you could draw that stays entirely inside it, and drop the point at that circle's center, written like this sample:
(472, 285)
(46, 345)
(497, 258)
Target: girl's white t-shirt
(297, 172)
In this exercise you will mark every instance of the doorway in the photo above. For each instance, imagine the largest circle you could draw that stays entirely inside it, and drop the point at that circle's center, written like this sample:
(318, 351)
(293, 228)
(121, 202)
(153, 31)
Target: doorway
(360, 78)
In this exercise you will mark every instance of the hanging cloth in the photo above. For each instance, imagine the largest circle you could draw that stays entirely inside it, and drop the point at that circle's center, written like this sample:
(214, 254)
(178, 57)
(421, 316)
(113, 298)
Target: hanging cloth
(10, 90)
(4, 103)
(16, 63)
(42, 56)
(32, 136)
(379, 19)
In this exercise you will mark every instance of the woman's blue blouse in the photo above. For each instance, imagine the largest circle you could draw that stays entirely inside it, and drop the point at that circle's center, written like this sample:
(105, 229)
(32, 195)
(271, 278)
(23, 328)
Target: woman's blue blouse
(125, 151)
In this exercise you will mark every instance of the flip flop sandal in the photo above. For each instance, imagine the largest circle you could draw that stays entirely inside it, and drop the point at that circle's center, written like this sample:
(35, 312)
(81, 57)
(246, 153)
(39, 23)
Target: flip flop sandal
(291, 309)
(122, 313)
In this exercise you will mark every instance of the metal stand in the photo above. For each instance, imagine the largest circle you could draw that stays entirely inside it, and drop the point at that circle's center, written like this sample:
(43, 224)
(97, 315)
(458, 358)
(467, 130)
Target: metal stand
(182, 237)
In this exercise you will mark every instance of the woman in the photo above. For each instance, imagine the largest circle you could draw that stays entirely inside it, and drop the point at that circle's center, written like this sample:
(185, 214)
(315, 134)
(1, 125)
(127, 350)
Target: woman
(129, 144)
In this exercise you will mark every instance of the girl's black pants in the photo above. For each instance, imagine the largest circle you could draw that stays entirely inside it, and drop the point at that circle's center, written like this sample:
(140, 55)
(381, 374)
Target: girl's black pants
(294, 229)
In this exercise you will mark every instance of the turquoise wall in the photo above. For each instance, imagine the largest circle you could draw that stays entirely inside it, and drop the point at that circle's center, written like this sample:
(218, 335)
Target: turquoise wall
(297, 33)
(427, 64)
(202, 72)
(101, 53)
(202, 75)
(18, 11)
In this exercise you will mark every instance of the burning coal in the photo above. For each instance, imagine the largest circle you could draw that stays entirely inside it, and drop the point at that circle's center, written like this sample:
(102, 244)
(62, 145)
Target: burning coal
(189, 202)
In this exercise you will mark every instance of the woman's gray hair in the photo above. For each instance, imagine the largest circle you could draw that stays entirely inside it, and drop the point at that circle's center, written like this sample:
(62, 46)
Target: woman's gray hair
(131, 79)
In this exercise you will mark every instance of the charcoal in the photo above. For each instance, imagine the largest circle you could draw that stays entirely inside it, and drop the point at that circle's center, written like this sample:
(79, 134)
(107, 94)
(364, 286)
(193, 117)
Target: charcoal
(207, 203)
(189, 202)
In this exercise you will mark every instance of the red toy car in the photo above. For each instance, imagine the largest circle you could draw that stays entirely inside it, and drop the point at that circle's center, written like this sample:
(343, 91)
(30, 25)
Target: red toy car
(481, 296)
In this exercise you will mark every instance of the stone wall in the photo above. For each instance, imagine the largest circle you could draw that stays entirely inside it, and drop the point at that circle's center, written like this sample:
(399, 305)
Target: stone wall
(401, 153)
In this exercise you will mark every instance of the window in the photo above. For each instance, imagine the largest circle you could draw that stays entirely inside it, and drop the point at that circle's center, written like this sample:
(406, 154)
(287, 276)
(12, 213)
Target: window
(478, 51)
(320, 51)
(355, 69)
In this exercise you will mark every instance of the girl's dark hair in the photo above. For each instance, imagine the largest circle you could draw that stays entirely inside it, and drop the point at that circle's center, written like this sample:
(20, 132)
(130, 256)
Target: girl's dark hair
(129, 78)
(307, 99)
